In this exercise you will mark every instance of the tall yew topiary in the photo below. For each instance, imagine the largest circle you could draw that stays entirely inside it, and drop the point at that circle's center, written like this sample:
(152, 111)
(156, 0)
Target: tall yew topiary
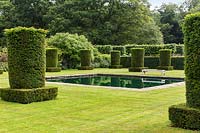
(165, 59)
(115, 59)
(26, 57)
(27, 63)
(86, 57)
(137, 59)
(188, 115)
(52, 60)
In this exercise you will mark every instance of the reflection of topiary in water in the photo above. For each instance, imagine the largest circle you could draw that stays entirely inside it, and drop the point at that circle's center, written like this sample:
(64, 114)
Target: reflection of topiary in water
(26, 62)
(115, 59)
(188, 115)
(85, 55)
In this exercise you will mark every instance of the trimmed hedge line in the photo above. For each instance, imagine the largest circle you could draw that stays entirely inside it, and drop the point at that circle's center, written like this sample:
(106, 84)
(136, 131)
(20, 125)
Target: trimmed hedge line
(120, 48)
(26, 55)
(184, 117)
(115, 59)
(151, 49)
(152, 62)
(26, 96)
(104, 49)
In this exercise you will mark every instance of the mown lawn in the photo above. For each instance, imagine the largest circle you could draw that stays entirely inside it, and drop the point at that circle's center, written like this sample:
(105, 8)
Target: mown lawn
(82, 109)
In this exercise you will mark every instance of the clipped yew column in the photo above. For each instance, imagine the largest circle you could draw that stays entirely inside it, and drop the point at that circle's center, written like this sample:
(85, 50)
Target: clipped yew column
(52, 60)
(27, 63)
(86, 57)
(115, 59)
(137, 60)
(188, 115)
(165, 59)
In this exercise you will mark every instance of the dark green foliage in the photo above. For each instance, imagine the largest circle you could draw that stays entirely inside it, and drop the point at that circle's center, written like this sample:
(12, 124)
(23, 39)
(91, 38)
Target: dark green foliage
(120, 48)
(180, 49)
(115, 59)
(85, 56)
(151, 49)
(104, 49)
(170, 16)
(70, 45)
(137, 59)
(105, 21)
(26, 57)
(26, 96)
(102, 61)
(178, 62)
(184, 117)
(53, 69)
(125, 61)
(51, 57)
(151, 62)
(192, 59)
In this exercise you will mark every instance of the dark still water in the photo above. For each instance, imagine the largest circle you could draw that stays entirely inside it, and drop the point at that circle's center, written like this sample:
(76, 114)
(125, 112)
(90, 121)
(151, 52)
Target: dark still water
(116, 81)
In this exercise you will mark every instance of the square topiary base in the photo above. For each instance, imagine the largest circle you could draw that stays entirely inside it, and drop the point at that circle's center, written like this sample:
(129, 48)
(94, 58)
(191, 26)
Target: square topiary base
(86, 68)
(165, 67)
(184, 117)
(53, 69)
(136, 69)
(116, 66)
(26, 96)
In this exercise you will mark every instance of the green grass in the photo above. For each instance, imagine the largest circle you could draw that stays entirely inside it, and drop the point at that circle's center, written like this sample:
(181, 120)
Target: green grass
(83, 109)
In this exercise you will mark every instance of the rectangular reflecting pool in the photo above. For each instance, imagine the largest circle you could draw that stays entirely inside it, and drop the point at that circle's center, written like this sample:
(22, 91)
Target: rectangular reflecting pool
(125, 81)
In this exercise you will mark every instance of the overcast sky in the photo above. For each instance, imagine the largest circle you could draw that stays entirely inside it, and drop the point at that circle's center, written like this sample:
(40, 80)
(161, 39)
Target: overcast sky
(155, 3)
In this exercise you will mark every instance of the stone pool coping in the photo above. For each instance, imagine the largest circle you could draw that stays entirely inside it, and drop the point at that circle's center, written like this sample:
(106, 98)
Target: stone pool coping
(117, 88)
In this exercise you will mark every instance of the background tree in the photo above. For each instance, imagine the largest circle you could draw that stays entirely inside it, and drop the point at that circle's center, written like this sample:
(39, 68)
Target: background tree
(105, 21)
(30, 12)
(169, 16)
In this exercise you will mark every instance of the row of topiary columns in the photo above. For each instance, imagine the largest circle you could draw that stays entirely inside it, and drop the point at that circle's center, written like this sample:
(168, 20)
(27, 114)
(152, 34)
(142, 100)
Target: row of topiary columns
(137, 59)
